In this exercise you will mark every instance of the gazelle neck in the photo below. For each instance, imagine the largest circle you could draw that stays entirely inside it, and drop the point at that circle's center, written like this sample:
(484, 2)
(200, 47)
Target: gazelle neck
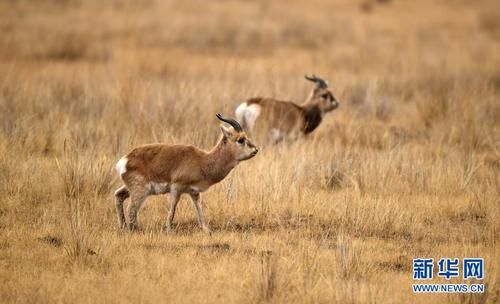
(220, 161)
(312, 117)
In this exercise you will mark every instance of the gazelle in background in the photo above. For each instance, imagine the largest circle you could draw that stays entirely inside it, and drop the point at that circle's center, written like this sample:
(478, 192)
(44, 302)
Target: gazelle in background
(177, 169)
(273, 120)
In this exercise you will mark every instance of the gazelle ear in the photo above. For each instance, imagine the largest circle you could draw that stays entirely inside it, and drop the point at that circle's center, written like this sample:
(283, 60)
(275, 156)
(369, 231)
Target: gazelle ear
(226, 131)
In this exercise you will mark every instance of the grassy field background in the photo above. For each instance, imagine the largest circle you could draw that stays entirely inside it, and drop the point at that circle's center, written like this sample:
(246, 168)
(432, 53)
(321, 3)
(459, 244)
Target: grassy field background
(407, 167)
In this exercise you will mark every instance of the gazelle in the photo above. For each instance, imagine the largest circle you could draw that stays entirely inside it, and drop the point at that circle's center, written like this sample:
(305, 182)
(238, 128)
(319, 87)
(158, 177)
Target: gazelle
(277, 120)
(177, 169)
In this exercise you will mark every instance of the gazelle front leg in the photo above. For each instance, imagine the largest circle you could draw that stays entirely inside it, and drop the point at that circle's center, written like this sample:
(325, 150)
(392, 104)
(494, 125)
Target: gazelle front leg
(197, 204)
(174, 199)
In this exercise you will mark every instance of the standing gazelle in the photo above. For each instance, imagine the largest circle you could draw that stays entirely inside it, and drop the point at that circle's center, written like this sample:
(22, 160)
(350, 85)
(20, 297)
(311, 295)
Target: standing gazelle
(276, 120)
(177, 169)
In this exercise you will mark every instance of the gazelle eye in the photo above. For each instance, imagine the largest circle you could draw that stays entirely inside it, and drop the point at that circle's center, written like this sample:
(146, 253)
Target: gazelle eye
(241, 140)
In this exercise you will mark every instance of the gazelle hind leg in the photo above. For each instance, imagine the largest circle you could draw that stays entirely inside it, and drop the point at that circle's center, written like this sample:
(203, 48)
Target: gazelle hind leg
(197, 204)
(121, 194)
(137, 197)
(174, 199)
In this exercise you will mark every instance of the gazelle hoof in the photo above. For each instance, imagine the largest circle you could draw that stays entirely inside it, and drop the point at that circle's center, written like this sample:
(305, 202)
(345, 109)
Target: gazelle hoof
(207, 230)
(168, 230)
(132, 227)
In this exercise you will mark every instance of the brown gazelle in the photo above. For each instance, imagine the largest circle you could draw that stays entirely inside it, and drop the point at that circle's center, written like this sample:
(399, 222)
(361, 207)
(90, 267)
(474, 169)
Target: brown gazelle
(273, 120)
(178, 169)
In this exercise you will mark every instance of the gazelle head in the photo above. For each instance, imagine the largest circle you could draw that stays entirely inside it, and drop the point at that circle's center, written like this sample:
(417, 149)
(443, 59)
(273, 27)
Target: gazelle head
(236, 140)
(321, 95)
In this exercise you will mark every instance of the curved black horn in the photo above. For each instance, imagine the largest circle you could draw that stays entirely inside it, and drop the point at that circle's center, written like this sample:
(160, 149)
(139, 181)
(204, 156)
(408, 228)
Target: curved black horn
(321, 83)
(236, 125)
(313, 78)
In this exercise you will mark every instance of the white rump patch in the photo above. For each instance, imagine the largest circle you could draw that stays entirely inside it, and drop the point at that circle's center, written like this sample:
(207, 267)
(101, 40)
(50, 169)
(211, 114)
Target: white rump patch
(247, 115)
(121, 166)
(240, 112)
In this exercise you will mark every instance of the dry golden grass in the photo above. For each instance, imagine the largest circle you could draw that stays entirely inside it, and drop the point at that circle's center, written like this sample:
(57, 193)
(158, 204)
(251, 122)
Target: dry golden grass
(408, 166)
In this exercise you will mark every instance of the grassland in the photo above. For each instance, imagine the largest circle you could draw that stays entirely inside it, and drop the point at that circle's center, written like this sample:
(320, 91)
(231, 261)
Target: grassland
(408, 166)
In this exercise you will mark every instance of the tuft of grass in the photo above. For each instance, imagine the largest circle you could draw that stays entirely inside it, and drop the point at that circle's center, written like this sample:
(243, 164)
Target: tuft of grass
(348, 266)
(267, 282)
